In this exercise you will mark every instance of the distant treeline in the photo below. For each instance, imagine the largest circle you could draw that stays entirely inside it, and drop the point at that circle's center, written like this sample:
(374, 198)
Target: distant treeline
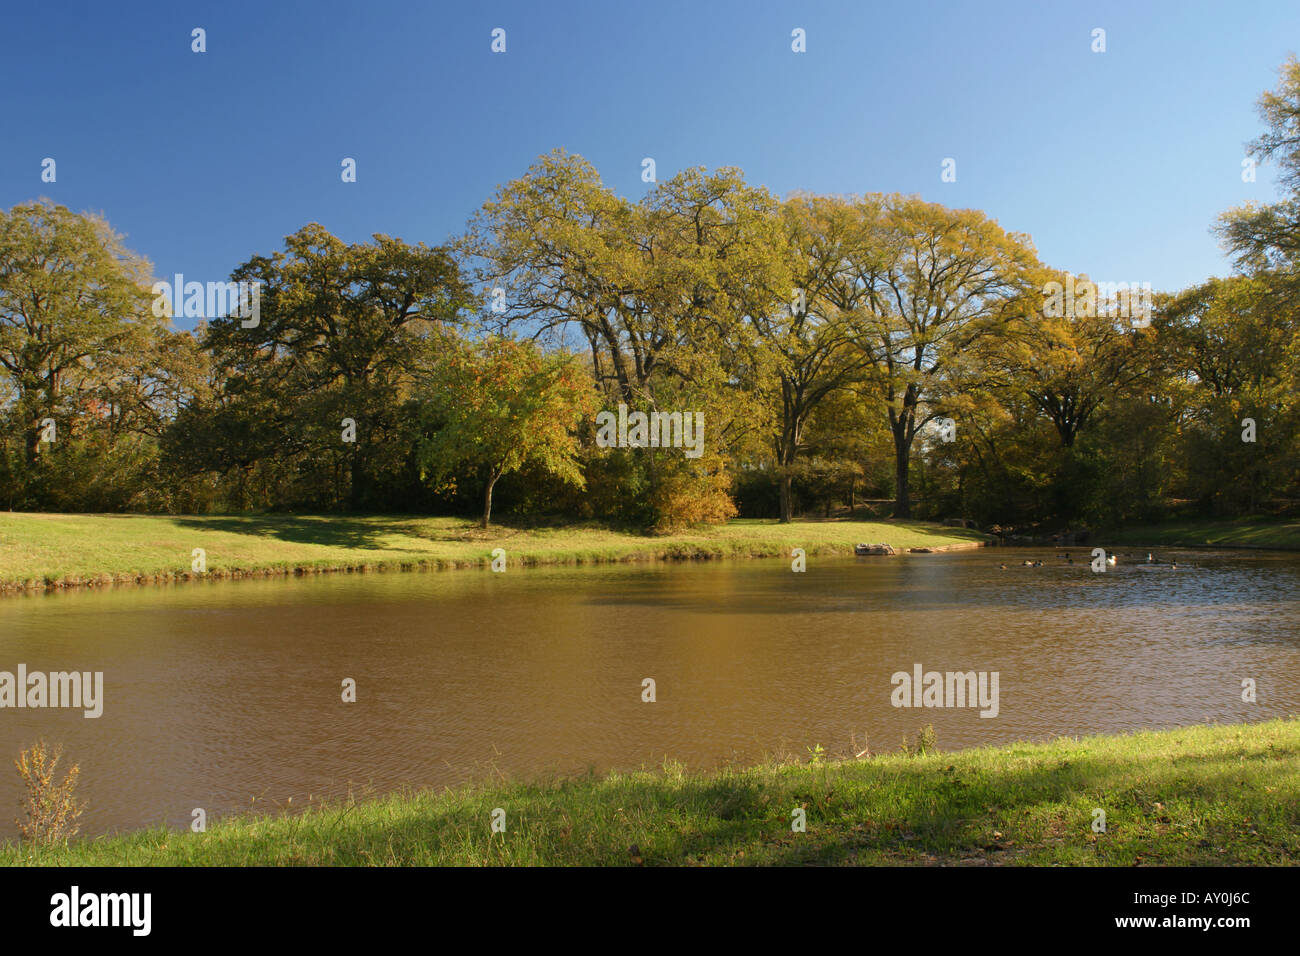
(831, 350)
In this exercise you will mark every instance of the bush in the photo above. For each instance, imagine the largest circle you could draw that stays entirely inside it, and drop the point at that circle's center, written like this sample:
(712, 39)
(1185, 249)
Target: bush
(51, 808)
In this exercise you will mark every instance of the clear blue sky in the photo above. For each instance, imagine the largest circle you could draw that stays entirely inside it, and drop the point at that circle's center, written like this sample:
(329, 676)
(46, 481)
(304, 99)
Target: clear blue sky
(1115, 163)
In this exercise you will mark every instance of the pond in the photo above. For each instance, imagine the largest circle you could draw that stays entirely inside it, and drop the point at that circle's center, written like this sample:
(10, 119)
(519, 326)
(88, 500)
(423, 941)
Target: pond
(229, 695)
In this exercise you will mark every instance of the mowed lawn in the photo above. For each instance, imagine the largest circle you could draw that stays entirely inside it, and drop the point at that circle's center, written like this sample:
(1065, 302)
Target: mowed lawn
(1225, 795)
(1228, 533)
(64, 550)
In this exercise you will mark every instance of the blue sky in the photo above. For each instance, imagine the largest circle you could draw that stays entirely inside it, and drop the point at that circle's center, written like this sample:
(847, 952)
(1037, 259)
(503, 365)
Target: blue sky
(1115, 163)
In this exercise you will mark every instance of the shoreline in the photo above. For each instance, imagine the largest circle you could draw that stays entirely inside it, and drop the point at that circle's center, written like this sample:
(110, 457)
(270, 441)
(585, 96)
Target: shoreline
(44, 553)
(448, 544)
(9, 588)
(1170, 797)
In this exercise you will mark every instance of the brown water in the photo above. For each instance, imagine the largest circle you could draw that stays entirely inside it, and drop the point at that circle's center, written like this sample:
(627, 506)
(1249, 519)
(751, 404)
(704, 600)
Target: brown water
(227, 695)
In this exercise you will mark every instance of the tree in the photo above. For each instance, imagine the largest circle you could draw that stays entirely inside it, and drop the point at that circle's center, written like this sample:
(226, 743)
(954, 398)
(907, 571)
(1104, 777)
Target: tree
(659, 291)
(1070, 361)
(1267, 237)
(657, 288)
(73, 300)
(557, 250)
(342, 333)
(807, 340)
(930, 288)
(1237, 342)
(499, 405)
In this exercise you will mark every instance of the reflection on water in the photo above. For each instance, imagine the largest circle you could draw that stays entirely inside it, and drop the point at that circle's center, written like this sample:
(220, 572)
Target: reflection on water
(226, 695)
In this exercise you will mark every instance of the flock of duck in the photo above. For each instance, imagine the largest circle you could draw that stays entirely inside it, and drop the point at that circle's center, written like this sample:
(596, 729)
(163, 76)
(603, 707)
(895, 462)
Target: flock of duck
(1111, 561)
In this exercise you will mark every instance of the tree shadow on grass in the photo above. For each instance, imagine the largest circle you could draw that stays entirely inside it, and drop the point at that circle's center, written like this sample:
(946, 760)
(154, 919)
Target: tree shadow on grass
(746, 818)
(361, 532)
(373, 531)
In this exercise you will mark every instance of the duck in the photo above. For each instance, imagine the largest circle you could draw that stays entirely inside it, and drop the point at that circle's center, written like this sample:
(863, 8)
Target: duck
(1112, 560)
(1002, 567)
(1149, 558)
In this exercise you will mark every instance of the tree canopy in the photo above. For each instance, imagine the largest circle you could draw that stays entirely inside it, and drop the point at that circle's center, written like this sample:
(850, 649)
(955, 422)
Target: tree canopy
(838, 352)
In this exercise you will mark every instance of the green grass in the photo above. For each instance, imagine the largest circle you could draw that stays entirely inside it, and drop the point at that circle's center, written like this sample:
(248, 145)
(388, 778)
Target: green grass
(61, 550)
(1192, 796)
(1235, 533)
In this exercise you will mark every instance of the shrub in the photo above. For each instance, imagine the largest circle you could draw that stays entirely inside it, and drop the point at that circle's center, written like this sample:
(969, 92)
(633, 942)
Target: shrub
(51, 808)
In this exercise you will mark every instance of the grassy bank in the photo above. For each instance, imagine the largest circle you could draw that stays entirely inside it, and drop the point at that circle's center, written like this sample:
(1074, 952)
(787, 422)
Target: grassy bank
(1237, 533)
(1192, 796)
(47, 550)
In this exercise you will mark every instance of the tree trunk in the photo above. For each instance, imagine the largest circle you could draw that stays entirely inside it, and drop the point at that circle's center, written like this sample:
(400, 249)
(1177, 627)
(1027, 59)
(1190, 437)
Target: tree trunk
(487, 499)
(902, 494)
(33, 411)
(786, 452)
(357, 480)
(32, 445)
(900, 423)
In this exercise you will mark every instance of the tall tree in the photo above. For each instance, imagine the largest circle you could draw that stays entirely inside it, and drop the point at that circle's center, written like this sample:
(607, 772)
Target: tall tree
(939, 284)
(1268, 236)
(658, 290)
(1236, 342)
(659, 287)
(807, 339)
(342, 332)
(1070, 361)
(556, 251)
(73, 300)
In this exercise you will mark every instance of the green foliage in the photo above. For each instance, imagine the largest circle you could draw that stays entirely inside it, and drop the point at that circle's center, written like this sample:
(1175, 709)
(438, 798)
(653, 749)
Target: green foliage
(1266, 238)
(313, 407)
(821, 337)
(926, 742)
(81, 349)
(497, 405)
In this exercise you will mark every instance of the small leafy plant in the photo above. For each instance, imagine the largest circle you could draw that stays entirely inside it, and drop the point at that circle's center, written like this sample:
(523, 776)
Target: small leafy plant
(926, 741)
(51, 808)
